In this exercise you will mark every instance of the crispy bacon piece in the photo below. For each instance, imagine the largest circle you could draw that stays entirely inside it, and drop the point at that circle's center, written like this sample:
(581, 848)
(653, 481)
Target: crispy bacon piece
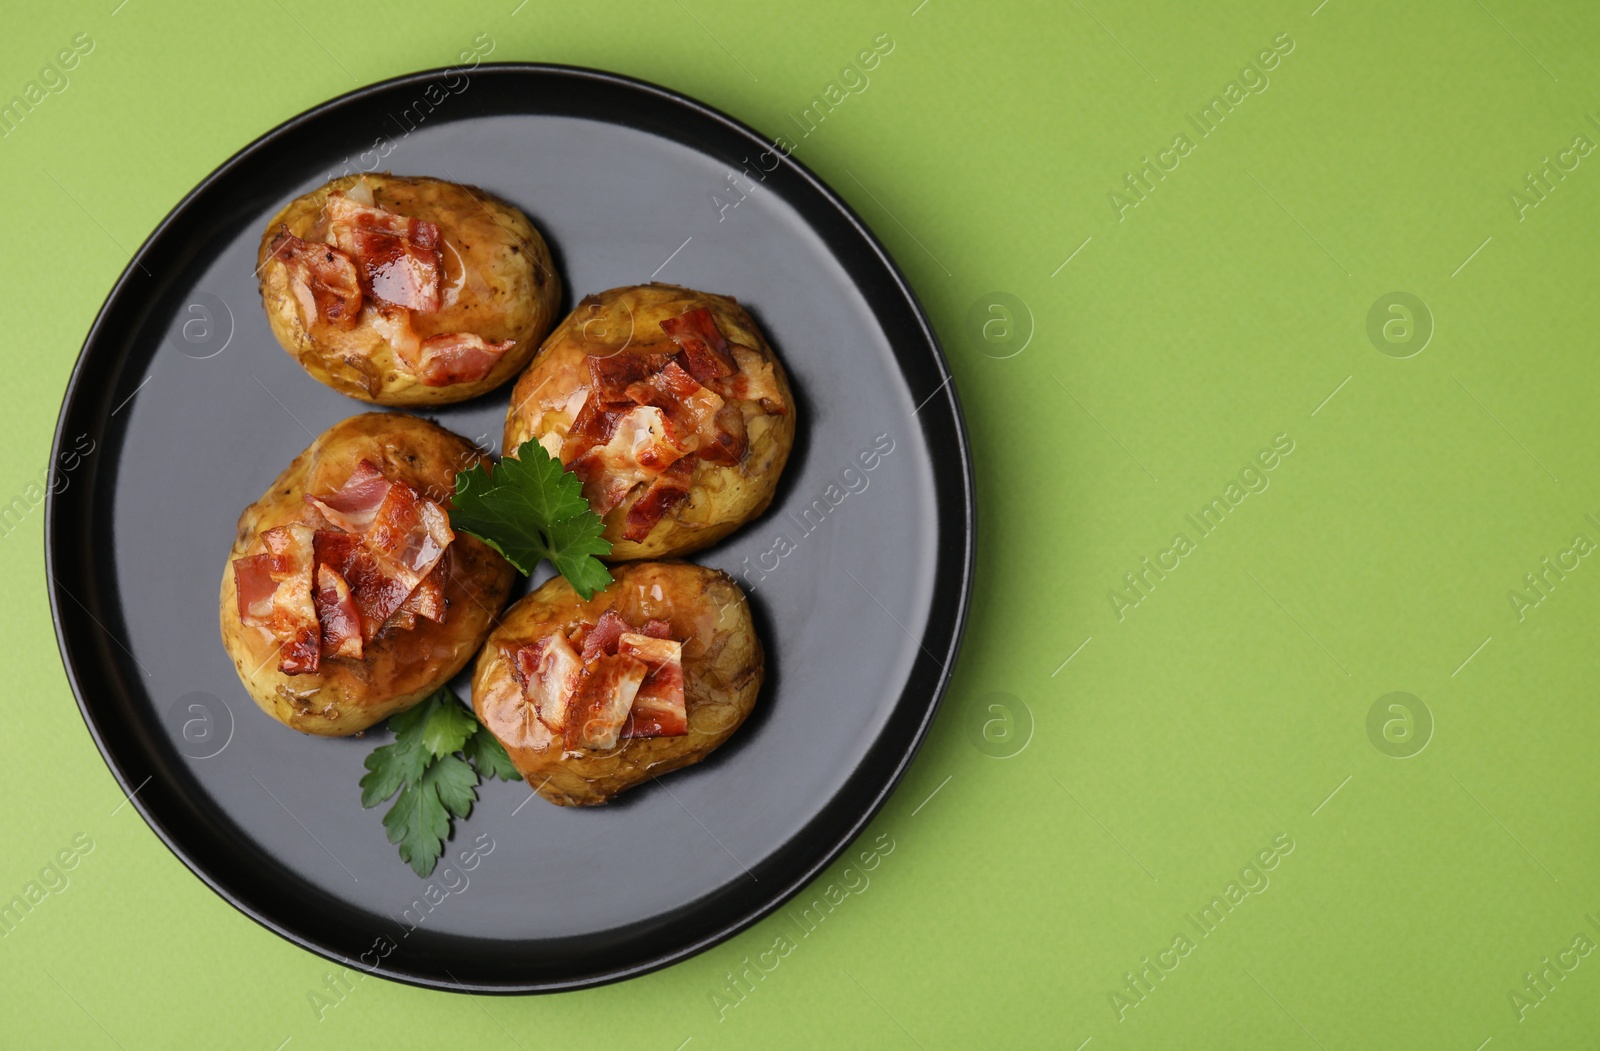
(400, 255)
(326, 592)
(392, 557)
(379, 589)
(650, 719)
(409, 534)
(394, 325)
(592, 426)
(724, 439)
(730, 370)
(252, 580)
(670, 381)
(302, 652)
(602, 701)
(611, 375)
(645, 415)
(438, 361)
(602, 490)
(755, 381)
(456, 357)
(602, 638)
(703, 350)
(293, 620)
(352, 506)
(625, 682)
(549, 671)
(323, 279)
(685, 405)
(665, 493)
(377, 593)
(336, 610)
(336, 549)
(640, 449)
(428, 599)
(658, 708)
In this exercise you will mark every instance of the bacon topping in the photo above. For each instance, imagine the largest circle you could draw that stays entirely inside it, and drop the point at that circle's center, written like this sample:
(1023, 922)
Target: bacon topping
(353, 504)
(378, 593)
(409, 534)
(670, 381)
(756, 382)
(394, 325)
(647, 416)
(455, 357)
(603, 637)
(253, 583)
(602, 701)
(701, 344)
(666, 491)
(728, 439)
(400, 255)
(624, 682)
(438, 361)
(336, 610)
(658, 707)
(322, 278)
(395, 260)
(428, 600)
(611, 375)
(549, 671)
(288, 612)
(685, 405)
(592, 426)
(328, 592)
(639, 449)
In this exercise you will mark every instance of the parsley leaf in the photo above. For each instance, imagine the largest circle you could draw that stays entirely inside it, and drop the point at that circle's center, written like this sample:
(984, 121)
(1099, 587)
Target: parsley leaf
(531, 509)
(392, 767)
(447, 729)
(574, 544)
(425, 765)
(418, 824)
(455, 783)
(485, 752)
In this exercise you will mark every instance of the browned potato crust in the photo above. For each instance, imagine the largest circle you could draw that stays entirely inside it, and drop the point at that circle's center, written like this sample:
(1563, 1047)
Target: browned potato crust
(399, 668)
(723, 666)
(499, 283)
(628, 320)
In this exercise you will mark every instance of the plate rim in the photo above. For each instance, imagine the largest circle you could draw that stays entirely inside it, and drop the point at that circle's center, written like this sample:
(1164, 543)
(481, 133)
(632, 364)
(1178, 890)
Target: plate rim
(839, 842)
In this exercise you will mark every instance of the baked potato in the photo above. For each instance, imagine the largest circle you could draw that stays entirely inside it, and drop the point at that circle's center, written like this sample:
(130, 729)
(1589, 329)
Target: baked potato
(347, 597)
(406, 291)
(649, 675)
(670, 407)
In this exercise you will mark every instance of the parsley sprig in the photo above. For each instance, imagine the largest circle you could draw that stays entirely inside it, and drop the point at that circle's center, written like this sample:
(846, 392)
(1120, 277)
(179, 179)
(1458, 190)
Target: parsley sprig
(530, 509)
(439, 753)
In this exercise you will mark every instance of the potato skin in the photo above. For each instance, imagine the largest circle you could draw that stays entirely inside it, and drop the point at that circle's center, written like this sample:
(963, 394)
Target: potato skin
(720, 499)
(401, 668)
(499, 283)
(723, 668)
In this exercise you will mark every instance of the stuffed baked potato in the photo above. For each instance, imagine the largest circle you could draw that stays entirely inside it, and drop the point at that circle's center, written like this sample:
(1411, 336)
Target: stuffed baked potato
(651, 674)
(347, 597)
(670, 407)
(406, 291)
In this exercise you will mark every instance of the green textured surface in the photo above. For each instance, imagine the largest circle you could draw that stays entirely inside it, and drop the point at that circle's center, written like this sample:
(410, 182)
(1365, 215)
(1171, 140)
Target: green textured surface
(1229, 706)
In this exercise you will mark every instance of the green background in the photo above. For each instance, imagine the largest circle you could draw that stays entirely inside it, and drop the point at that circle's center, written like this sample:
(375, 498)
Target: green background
(1229, 707)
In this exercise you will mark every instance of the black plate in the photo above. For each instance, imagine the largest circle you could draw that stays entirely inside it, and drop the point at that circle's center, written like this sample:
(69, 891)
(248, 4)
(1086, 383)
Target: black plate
(192, 409)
